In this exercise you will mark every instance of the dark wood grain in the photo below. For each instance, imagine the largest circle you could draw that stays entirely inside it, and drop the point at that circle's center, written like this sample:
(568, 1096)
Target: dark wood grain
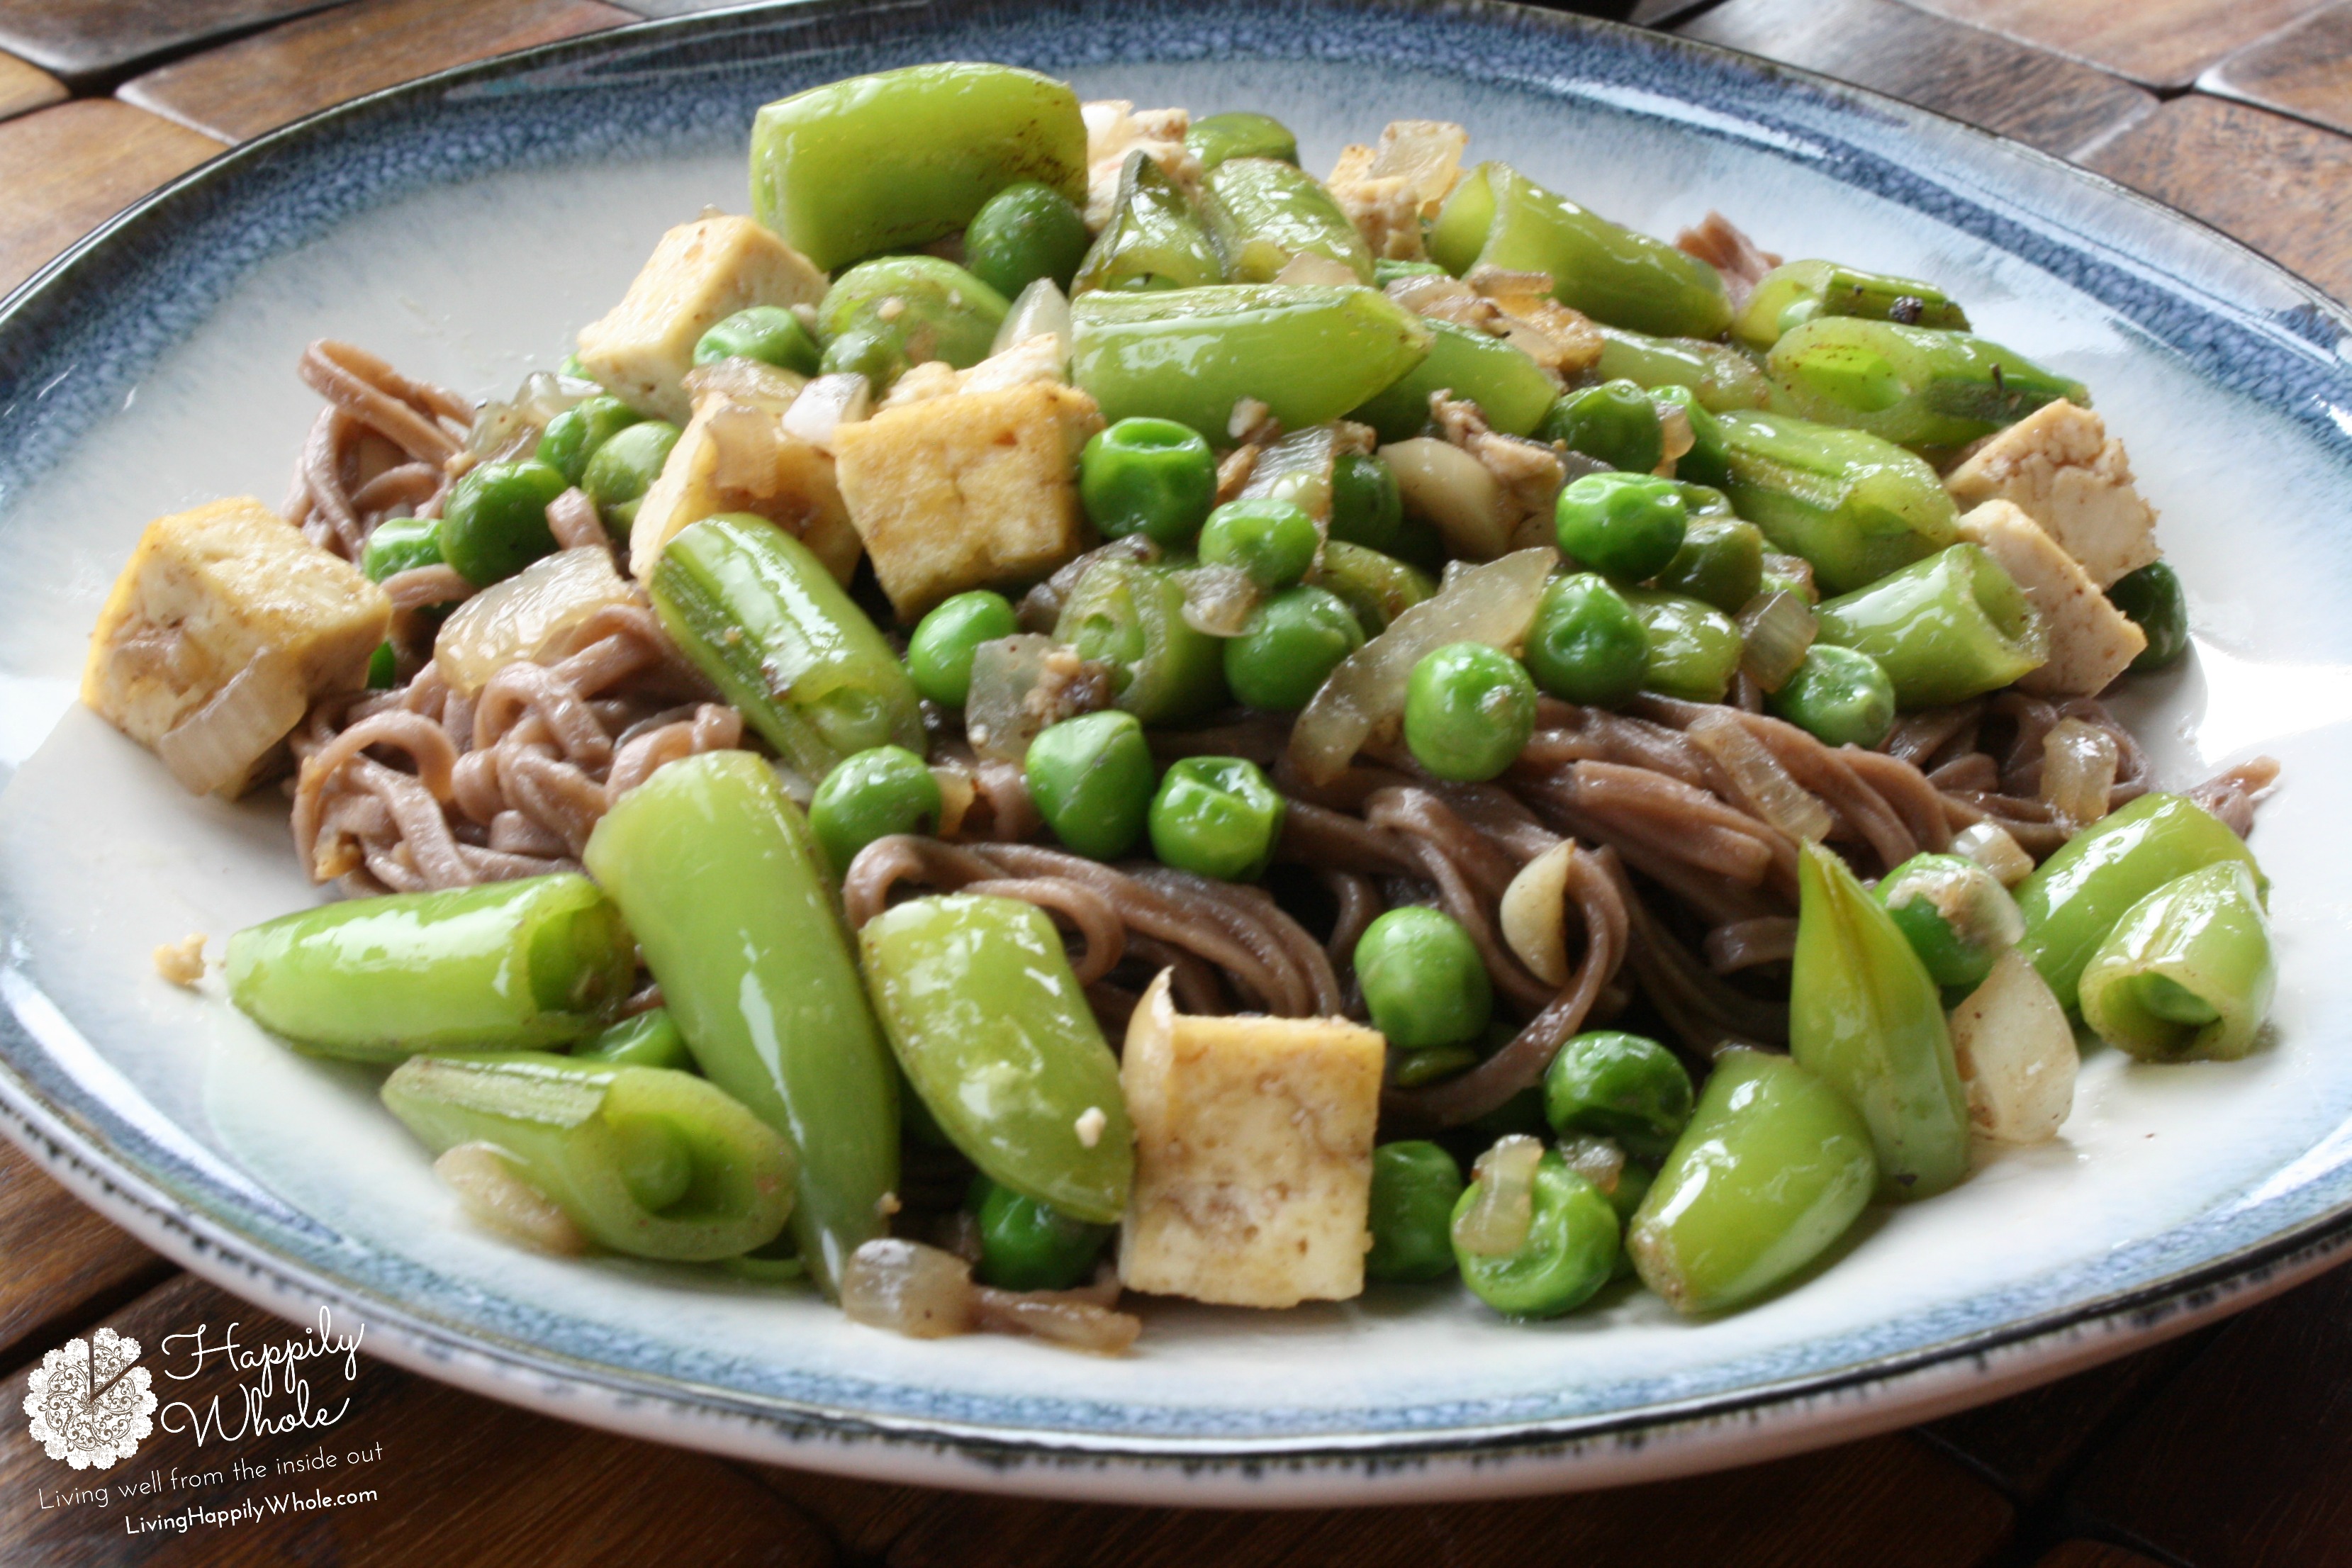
(84, 40)
(459, 1482)
(2161, 43)
(2025, 1444)
(58, 1260)
(25, 87)
(255, 84)
(2276, 183)
(2059, 105)
(863, 1517)
(2093, 1554)
(2305, 70)
(66, 170)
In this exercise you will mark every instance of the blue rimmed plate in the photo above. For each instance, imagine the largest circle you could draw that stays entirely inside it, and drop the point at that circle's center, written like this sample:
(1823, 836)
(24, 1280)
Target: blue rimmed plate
(465, 225)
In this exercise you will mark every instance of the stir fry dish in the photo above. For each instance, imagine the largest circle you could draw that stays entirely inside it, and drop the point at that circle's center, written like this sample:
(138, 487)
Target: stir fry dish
(1068, 708)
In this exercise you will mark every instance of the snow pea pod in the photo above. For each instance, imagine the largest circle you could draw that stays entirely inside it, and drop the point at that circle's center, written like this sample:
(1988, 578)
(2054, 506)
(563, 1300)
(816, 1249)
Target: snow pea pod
(2188, 972)
(649, 1040)
(1378, 588)
(1796, 292)
(1240, 135)
(1509, 388)
(1721, 378)
(1263, 211)
(1156, 238)
(1853, 505)
(1694, 646)
(1945, 629)
(992, 1028)
(1130, 616)
(724, 885)
(1916, 386)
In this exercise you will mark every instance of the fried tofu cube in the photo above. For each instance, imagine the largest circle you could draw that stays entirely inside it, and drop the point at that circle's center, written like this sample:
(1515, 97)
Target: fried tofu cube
(700, 274)
(2060, 465)
(226, 593)
(970, 490)
(2091, 641)
(1253, 1157)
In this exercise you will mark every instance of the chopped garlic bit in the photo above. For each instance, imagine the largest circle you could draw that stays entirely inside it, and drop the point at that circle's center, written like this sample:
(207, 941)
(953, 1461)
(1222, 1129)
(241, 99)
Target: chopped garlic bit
(1090, 1124)
(182, 962)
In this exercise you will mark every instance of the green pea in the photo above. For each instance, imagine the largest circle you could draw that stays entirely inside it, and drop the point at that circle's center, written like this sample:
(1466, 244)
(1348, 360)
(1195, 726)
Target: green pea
(868, 348)
(2151, 596)
(1028, 1246)
(401, 544)
(1415, 1186)
(1410, 1069)
(1091, 778)
(939, 656)
(1840, 695)
(1955, 914)
(769, 334)
(1273, 541)
(1625, 526)
(1216, 816)
(1024, 232)
(1614, 423)
(1694, 648)
(870, 796)
(1367, 507)
(1587, 645)
(1152, 476)
(495, 521)
(1569, 1252)
(1422, 979)
(1625, 1087)
(384, 668)
(1291, 645)
(1468, 711)
(625, 468)
(1721, 562)
(572, 436)
(1239, 134)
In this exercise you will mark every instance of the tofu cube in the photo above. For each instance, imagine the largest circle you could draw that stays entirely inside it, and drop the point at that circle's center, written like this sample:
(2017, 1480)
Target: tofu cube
(700, 274)
(2059, 464)
(970, 490)
(1253, 1158)
(2091, 641)
(735, 455)
(212, 594)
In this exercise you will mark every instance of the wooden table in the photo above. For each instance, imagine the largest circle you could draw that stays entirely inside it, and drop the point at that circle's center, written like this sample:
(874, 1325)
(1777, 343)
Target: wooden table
(2231, 1448)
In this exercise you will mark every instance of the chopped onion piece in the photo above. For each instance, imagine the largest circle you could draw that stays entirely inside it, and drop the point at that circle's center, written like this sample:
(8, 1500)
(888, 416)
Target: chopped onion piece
(1020, 685)
(1298, 469)
(1674, 430)
(215, 746)
(744, 381)
(1498, 1219)
(1454, 493)
(1598, 1160)
(1039, 310)
(504, 428)
(1219, 600)
(1062, 1317)
(1315, 268)
(1758, 775)
(528, 614)
(824, 405)
(910, 1289)
(1991, 846)
(2016, 1054)
(957, 793)
(1775, 628)
(1493, 603)
(1794, 568)
(2078, 771)
(1535, 913)
(495, 1197)
(1426, 154)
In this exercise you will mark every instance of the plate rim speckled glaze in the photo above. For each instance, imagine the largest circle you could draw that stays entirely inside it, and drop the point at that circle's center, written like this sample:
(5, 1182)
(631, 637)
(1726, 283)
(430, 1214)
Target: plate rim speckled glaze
(131, 1174)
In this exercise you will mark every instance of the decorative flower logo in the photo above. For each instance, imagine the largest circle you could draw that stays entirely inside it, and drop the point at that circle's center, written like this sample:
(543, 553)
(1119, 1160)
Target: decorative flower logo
(89, 1404)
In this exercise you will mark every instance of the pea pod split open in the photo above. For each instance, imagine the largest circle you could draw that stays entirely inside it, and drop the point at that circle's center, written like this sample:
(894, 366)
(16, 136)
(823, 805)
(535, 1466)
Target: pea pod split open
(2188, 972)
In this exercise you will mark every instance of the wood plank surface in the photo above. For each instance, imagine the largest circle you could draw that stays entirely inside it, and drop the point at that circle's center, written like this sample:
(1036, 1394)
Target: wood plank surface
(2094, 1554)
(2026, 1443)
(83, 40)
(2058, 105)
(66, 170)
(2159, 43)
(25, 87)
(258, 83)
(59, 1262)
(2305, 70)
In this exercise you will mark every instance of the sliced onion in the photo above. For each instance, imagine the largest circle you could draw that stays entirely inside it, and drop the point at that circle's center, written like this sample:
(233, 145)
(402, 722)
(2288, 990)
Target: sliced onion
(1758, 775)
(1989, 844)
(1219, 600)
(530, 614)
(1314, 267)
(505, 426)
(1674, 430)
(1776, 629)
(1598, 1160)
(1498, 1219)
(1060, 1317)
(1534, 914)
(1451, 491)
(1298, 469)
(495, 1197)
(2078, 771)
(1493, 603)
(1790, 568)
(216, 745)
(1426, 154)
(824, 405)
(2016, 1054)
(910, 1289)
(1039, 310)
(744, 381)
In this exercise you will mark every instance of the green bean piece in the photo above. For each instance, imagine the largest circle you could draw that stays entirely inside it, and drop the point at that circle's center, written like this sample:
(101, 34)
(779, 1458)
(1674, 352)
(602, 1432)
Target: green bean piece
(2153, 599)
(1945, 629)
(1627, 527)
(1856, 507)
(1497, 216)
(1378, 588)
(401, 544)
(939, 653)
(623, 468)
(902, 310)
(1130, 616)
(724, 885)
(1694, 648)
(2189, 972)
(1509, 388)
(1415, 1184)
(1569, 1252)
(1291, 645)
(1216, 816)
(572, 436)
(1308, 352)
(1367, 507)
(1272, 542)
(872, 794)
(2077, 897)
(1840, 695)
(988, 1022)
(1799, 292)
(892, 160)
(1587, 645)
(1865, 1015)
(1028, 1246)
(1237, 133)
(1771, 1170)
(1955, 914)
(1422, 979)
(1410, 1069)
(1264, 212)
(1720, 379)
(650, 1039)
(645, 1161)
(1721, 563)
(1614, 423)
(494, 522)
(1152, 476)
(1625, 1087)
(1469, 709)
(1156, 239)
(1706, 465)
(770, 334)
(384, 668)
(1916, 386)
(516, 966)
(1026, 231)
(1092, 779)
